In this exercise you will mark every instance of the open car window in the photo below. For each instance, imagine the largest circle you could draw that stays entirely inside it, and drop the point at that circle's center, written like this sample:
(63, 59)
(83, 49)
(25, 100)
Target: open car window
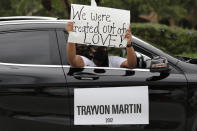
(143, 58)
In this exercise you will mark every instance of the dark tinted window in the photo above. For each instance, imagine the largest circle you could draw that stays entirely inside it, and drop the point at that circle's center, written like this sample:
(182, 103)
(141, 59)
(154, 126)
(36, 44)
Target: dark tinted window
(29, 47)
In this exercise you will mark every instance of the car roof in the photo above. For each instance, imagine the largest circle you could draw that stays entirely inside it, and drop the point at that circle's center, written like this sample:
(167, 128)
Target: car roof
(14, 18)
(30, 22)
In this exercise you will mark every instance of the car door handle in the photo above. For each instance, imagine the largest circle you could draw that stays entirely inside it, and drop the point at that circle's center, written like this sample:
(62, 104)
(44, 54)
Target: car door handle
(157, 78)
(85, 76)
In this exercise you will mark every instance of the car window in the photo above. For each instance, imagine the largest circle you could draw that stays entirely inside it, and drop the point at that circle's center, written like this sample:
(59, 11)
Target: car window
(143, 60)
(143, 57)
(29, 47)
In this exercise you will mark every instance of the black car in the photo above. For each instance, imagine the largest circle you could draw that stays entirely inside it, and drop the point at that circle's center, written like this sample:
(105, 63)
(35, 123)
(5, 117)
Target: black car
(37, 83)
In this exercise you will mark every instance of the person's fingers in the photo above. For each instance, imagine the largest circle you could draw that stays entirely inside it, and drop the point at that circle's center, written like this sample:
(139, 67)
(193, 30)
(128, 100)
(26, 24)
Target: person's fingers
(128, 30)
(69, 26)
(127, 35)
(70, 23)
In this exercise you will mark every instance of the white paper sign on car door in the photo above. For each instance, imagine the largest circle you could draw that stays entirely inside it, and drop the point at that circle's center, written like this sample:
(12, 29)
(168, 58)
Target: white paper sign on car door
(99, 26)
(111, 105)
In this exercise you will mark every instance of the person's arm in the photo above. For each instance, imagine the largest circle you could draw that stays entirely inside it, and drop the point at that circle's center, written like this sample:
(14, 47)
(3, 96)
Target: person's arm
(73, 58)
(131, 56)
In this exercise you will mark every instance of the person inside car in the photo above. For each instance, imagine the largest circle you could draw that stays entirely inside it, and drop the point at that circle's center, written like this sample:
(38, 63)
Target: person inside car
(98, 55)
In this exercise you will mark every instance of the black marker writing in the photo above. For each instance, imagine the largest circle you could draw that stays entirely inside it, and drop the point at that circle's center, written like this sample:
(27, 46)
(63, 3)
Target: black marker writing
(78, 13)
(100, 17)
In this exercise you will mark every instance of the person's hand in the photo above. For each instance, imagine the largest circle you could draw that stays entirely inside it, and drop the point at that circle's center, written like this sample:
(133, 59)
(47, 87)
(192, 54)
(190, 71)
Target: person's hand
(69, 27)
(128, 36)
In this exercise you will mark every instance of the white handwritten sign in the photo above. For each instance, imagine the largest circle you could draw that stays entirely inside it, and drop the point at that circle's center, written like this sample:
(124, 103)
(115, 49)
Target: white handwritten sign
(99, 26)
(112, 105)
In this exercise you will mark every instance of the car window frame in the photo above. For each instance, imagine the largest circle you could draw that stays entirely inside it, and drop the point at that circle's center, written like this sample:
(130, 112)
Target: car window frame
(62, 41)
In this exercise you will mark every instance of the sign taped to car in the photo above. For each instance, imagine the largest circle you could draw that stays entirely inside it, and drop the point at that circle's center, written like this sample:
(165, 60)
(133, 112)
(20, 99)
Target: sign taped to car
(99, 26)
(111, 105)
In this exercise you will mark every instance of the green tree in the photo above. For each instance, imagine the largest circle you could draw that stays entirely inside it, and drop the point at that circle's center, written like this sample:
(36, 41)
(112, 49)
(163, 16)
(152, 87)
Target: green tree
(191, 6)
(6, 8)
(26, 7)
(173, 11)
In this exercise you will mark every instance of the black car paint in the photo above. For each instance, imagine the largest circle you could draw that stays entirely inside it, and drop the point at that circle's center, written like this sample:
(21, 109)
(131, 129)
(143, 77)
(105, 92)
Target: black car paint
(41, 97)
(33, 97)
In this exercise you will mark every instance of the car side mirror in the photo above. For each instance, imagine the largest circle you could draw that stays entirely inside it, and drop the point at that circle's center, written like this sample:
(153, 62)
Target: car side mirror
(159, 64)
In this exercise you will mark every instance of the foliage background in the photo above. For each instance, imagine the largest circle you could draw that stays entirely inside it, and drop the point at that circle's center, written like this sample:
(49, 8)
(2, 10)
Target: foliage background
(168, 24)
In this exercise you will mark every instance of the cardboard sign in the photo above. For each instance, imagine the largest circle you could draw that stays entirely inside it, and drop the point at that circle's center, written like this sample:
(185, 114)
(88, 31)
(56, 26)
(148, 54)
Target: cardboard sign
(112, 105)
(99, 26)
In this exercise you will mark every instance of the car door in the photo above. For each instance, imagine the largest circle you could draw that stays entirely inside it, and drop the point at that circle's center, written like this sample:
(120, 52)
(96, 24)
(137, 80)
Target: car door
(167, 94)
(33, 95)
(167, 99)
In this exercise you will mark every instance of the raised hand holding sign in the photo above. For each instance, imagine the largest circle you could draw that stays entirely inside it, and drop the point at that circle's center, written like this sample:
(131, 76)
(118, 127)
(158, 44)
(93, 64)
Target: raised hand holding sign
(99, 26)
